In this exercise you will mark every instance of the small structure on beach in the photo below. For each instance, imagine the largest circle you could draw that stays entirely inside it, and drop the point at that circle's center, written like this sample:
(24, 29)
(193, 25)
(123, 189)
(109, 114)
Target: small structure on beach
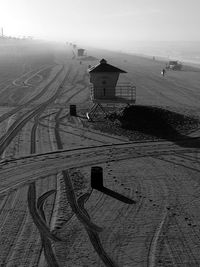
(105, 88)
(174, 65)
(80, 52)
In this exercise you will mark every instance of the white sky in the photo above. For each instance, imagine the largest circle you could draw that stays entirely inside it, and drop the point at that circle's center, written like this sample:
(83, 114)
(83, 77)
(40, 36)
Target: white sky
(102, 22)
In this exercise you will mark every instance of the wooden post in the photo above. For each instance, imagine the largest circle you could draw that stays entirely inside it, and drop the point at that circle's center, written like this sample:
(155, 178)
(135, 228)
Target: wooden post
(73, 110)
(97, 177)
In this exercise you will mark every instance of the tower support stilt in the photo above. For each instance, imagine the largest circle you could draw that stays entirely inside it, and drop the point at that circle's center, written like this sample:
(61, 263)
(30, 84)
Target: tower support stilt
(94, 111)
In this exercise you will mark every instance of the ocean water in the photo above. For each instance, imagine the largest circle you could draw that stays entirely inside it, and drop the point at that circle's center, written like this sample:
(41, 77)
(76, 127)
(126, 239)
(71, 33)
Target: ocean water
(183, 51)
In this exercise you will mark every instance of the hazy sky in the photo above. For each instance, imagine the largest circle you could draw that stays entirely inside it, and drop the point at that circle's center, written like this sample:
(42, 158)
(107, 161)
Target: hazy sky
(102, 22)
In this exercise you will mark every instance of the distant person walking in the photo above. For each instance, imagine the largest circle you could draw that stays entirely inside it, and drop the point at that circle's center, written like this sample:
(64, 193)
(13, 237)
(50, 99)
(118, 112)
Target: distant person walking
(163, 72)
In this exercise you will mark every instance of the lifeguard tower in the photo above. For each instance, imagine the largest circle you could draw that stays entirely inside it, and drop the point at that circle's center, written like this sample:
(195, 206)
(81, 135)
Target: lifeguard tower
(106, 90)
(80, 52)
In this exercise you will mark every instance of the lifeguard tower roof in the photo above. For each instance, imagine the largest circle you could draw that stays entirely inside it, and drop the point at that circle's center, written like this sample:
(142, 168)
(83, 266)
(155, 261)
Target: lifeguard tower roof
(103, 66)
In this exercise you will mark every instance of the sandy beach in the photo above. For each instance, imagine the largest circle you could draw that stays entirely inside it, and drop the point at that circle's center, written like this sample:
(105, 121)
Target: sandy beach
(50, 214)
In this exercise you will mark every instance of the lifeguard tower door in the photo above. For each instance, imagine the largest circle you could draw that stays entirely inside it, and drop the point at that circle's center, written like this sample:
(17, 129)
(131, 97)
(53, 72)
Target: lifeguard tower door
(104, 85)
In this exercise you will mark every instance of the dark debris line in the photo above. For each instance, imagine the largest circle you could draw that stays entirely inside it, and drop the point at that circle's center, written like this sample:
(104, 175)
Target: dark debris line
(39, 221)
(48, 252)
(94, 237)
(39, 217)
(78, 208)
(83, 217)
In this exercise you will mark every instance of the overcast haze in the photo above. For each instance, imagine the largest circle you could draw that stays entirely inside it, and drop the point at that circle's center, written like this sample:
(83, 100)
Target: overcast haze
(105, 23)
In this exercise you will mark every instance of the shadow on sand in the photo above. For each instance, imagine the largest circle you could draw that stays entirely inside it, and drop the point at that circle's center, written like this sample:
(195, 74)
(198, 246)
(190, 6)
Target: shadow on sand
(97, 183)
(161, 123)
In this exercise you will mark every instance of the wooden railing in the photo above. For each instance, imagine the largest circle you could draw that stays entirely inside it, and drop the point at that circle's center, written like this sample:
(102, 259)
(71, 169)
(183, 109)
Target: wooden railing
(124, 91)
